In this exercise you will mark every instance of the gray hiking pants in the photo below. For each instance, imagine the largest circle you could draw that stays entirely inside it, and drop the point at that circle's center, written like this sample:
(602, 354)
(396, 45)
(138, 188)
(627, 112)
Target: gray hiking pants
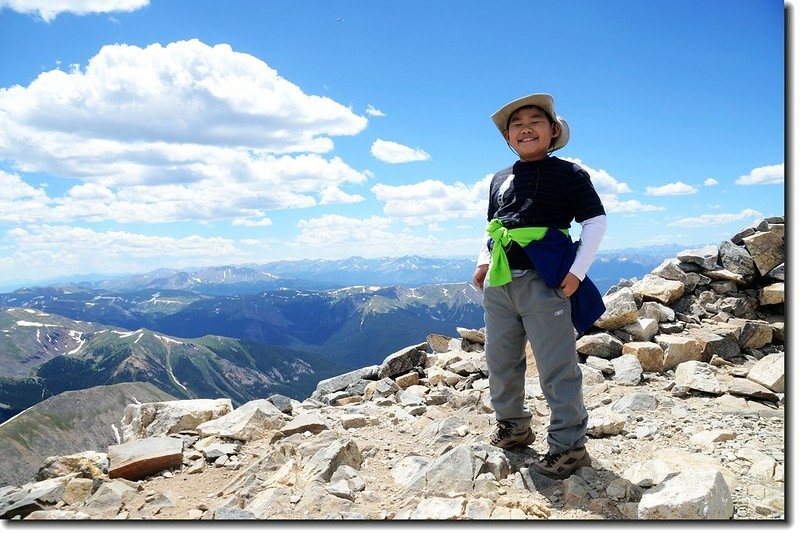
(528, 307)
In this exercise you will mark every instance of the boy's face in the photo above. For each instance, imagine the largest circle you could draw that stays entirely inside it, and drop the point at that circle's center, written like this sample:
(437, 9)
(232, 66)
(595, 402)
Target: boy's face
(530, 133)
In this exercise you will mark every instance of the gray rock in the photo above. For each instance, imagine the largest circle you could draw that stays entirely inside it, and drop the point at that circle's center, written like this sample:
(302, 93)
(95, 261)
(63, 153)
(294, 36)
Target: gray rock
(281, 402)
(473, 336)
(656, 311)
(251, 421)
(165, 417)
(439, 509)
(769, 372)
(698, 376)
(601, 345)
(341, 382)
(705, 257)
(724, 345)
(327, 460)
(402, 361)
(777, 273)
(627, 370)
(736, 259)
(744, 387)
(621, 310)
(307, 421)
(689, 495)
(635, 402)
(233, 513)
(766, 249)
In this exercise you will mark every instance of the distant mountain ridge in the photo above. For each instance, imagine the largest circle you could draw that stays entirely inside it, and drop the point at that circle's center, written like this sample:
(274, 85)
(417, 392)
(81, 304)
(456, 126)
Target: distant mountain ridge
(44, 354)
(311, 274)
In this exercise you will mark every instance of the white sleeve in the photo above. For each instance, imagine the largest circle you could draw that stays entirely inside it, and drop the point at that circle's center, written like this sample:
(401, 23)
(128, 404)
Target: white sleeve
(484, 257)
(592, 231)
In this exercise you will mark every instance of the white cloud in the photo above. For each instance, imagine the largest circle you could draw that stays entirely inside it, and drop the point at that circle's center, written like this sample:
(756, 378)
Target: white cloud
(770, 174)
(433, 200)
(244, 222)
(227, 188)
(336, 236)
(372, 111)
(50, 250)
(602, 180)
(711, 182)
(675, 188)
(715, 219)
(613, 205)
(176, 132)
(50, 9)
(391, 152)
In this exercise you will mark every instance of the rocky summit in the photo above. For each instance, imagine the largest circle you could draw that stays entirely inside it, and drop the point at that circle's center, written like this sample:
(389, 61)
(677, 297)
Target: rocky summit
(683, 378)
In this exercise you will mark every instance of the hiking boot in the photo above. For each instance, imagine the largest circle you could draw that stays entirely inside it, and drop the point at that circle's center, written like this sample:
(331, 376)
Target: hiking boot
(562, 465)
(507, 436)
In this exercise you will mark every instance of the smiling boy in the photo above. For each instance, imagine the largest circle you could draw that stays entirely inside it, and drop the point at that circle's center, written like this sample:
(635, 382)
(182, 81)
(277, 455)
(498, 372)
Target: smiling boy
(537, 286)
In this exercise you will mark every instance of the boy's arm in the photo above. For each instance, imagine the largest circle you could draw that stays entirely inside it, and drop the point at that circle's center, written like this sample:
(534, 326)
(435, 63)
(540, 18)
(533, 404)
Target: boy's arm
(482, 265)
(592, 232)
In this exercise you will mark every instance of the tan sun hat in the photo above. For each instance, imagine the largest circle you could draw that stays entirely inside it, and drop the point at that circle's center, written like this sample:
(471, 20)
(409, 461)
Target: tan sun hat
(542, 100)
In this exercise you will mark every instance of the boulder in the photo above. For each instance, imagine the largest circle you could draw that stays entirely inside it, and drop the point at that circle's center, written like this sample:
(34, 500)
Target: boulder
(655, 288)
(600, 345)
(251, 421)
(165, 417)
(772, 294)
(769, 372)
(688, 495)
(621, 310)
(402, 361)
(678, 349)
(341, 382)
(650, 355)
(766, 249)
(736, 259)
(699, 376)
(140, 458)
(705, 257)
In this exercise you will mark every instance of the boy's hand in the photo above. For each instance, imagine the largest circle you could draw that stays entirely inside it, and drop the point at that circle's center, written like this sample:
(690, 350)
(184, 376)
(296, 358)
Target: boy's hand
(570, 284)
(479, 276)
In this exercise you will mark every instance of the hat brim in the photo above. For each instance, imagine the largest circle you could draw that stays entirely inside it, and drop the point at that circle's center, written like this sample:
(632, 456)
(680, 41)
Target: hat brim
(542, 100)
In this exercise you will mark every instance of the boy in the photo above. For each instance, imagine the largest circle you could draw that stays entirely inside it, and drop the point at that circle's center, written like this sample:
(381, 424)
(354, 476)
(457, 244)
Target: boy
(537, 285)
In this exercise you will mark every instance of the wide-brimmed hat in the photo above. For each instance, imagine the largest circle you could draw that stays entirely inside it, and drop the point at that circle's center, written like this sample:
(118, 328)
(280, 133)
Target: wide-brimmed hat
(542, 100)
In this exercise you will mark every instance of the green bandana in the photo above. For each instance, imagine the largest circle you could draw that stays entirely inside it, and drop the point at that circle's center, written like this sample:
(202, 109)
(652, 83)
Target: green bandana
(500, 272)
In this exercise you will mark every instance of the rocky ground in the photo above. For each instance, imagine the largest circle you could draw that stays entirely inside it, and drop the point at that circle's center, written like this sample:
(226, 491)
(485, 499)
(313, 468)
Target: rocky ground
(683, 380)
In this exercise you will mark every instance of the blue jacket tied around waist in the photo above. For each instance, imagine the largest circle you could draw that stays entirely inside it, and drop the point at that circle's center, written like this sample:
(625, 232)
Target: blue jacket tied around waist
(552, 256)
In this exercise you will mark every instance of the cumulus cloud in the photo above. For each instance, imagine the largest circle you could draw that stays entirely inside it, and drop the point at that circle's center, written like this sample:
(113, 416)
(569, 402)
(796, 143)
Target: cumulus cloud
(49, 250)
(613, 205)
(602, 180)
(433, 200)
(675, 188)
(337, 236)
(391, 152)
(770, 174)
(233, 189)
(372, 111)
(715, 219)
(711, 182)
(48, 10)
(176, 132)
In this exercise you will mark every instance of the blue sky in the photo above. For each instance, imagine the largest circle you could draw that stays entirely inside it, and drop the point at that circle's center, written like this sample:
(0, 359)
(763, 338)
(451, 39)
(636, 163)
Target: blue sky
(173, 133)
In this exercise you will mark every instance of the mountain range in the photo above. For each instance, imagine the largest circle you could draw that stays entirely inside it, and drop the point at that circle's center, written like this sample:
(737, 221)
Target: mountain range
(241, 331)
(44, 354)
